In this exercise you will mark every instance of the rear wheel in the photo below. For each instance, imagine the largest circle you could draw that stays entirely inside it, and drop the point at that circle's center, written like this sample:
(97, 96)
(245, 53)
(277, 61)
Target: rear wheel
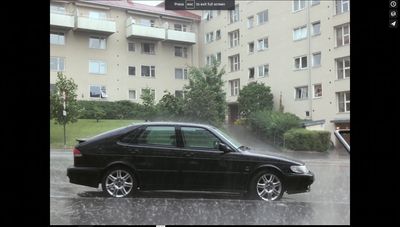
(119, 182)
(267, 185)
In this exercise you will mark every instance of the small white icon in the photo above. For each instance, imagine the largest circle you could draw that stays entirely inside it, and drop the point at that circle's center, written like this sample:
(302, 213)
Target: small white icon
(393, 13)
(394, 23)
(393, 4)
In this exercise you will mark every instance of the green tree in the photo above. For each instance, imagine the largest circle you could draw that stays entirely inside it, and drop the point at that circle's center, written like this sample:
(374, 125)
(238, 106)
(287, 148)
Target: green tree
(98, 113)
(254, 97)
(204, 100)
(149, 108)
(170, 107)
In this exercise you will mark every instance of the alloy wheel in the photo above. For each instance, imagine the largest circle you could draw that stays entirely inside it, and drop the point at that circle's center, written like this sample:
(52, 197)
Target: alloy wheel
(119, 183)
(269, 187)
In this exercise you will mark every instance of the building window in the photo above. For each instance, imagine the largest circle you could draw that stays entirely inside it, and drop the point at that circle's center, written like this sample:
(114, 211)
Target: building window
(316, 59)
(181, 74)
(262, 17)
(219, 57)
(342, 35)
(152, 91)
(181, 52)
(57, 38)
(251, 73)
(97, 42)
(343, 101)
(148, 71)
(317, 90)
(342, 6)
(132, 94)
(234, 14)
(300, 62)
(233, 38)
(262, 44)
(343, 68)
(131, 47)
(179, 94)
(208, 15)
(57, 9)
(250, 22)
(147, 22)
(235, 87)
(209, 37)
(301, 93)
(57, 64)
(251, 47)
(316, 28)
(234, 62)
(263, 70)
(97, 15)
(218, 35)
(298, 5)
(131, 70)
(148, 48)
(97, 67)
(315, 2)
(97, 91)
(180, 27)
(300, 33)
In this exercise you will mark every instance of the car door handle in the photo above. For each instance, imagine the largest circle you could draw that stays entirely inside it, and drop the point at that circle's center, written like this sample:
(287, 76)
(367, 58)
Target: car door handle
(188, 155)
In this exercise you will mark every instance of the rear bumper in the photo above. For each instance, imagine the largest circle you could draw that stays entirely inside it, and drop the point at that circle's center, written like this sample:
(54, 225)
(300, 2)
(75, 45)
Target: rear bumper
(88, 176)
(299, 183)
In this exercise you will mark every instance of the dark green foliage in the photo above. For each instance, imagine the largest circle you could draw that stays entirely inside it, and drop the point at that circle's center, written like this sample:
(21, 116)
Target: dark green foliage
(306, 140)
(254, 97)
(112, 110)
(170, 107)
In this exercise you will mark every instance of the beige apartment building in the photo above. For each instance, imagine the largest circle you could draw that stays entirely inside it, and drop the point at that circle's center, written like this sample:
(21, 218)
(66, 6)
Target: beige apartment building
(301, 49)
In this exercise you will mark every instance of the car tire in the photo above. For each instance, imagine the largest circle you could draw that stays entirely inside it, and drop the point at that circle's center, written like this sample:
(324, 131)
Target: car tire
(119, 182)
(267, 185)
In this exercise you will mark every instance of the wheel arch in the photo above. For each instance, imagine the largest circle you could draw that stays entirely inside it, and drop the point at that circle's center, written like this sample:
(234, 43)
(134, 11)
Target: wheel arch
(123, 164)
(265, 168)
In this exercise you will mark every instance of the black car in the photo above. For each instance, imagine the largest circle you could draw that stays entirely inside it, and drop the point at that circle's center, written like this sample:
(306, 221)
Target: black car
(182, 156)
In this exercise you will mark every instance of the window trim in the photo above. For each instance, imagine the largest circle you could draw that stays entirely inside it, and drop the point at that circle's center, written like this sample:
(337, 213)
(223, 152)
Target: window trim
(297, 28)
(184, 74)
(98, 61)
(235, 84)
(343, 59)
(300, 9)
(101, 91)
(150, 70)
(263, 70)
(58, 64)
(301, 63)
(58, 34)
(148, 53)
(129, 97)
(258, 17)
(232, 63)
(313, 87)
(345, 101)
(215, 150)
(184, 53)
(312, 59)
(98, 38)
(263, 41)
(143, 129)
(341, 27)
(129, 67)
(341, 6)
(134, 46)
(232, 38)
(312, 28)
(295, 93)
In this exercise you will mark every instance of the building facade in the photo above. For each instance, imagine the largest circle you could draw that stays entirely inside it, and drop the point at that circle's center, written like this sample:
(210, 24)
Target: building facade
(301, 49)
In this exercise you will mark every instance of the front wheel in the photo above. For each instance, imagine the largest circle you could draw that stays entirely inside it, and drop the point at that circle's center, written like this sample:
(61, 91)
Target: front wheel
(267, 185)
(118, 182)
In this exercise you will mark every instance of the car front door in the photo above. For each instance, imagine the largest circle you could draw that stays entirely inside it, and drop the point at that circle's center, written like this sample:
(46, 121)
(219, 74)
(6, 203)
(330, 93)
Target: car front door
(155, 156)
(205, 166)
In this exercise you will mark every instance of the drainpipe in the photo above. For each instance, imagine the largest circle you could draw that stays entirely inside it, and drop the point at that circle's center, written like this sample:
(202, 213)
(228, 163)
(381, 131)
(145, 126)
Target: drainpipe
(309, 60)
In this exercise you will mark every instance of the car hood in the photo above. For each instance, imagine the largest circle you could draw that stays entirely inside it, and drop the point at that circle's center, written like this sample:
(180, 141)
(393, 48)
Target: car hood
(279, 158)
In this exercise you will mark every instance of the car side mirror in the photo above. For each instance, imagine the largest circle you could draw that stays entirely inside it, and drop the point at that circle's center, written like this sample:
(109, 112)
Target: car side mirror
(223, 147)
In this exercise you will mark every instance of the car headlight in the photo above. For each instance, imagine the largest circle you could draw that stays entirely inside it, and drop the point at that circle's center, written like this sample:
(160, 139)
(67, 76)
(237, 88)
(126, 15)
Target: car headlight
(299, 169)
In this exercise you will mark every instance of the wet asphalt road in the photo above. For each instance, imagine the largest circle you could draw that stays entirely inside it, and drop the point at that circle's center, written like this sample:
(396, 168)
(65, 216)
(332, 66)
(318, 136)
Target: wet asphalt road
(328, 202)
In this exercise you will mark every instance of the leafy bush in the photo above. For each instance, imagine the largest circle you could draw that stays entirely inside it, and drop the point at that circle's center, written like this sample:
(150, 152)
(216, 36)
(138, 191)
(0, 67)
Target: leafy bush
(110, 110)
(307, 140)
(169, 107)
(272, 124)
(254, 97)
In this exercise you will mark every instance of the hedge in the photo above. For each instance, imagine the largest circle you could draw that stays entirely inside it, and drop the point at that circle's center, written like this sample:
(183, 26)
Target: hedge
(111, 110)
(301, 139)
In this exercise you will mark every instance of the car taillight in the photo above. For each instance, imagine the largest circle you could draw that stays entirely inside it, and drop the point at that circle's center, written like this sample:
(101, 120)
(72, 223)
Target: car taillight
(77, 153)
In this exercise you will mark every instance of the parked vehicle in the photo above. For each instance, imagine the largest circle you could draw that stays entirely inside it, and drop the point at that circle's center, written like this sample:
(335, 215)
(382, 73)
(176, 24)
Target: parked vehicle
(182, 156)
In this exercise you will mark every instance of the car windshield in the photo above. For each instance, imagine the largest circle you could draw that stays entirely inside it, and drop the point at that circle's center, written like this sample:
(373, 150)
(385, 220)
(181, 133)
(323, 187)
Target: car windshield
(234, 142)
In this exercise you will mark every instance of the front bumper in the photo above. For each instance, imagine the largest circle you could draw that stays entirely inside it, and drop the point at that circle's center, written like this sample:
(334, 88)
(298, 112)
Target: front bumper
(299, 183)
(88, 176)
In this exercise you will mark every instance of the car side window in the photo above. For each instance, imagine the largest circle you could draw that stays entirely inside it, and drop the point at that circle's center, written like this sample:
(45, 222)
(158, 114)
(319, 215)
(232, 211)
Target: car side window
(130, 137)
(199, 138)
(158, 135)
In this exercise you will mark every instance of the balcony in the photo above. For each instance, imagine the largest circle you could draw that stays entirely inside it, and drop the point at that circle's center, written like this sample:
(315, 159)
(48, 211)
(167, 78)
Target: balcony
(181, 37)
(104, 26)
(61, 20)
(142, 31)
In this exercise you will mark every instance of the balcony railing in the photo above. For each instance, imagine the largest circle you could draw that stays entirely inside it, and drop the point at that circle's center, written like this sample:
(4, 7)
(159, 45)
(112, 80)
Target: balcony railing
(181, 36)
(62, 20)
(106, 25)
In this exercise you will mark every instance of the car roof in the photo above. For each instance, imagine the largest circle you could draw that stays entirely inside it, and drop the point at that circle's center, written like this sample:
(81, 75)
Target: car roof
(175, 124)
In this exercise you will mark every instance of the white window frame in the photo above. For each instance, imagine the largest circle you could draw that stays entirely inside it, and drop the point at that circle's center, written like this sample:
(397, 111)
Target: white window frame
(234, 38)
(298, 3)
(262, 44)
(341, 4)
(60, 62)
(210, 37)
(152, 71)
(97, 15)
(263, 13)
(180, 27)
(184, 73)
(250, 22)
(183, 51)
(129, 67)
(57, 38)
(102, 42)
(315, 91)
(303, 93)
(313, 30)
(343, 71)
(254, 47)
(152, 91)
(103, 92)
(129, 94)
(220, 56)
(346, 100)
(313, 59)
(101, 66)
(234, 61)
(315, 2)
(254, 73)
(342, 35)
(147, 22)
(131, 44)
(263, 70)
(300, 62)
(300, 33)
(234, 15)
(152, 50)
(218, 37)
(235, 87)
